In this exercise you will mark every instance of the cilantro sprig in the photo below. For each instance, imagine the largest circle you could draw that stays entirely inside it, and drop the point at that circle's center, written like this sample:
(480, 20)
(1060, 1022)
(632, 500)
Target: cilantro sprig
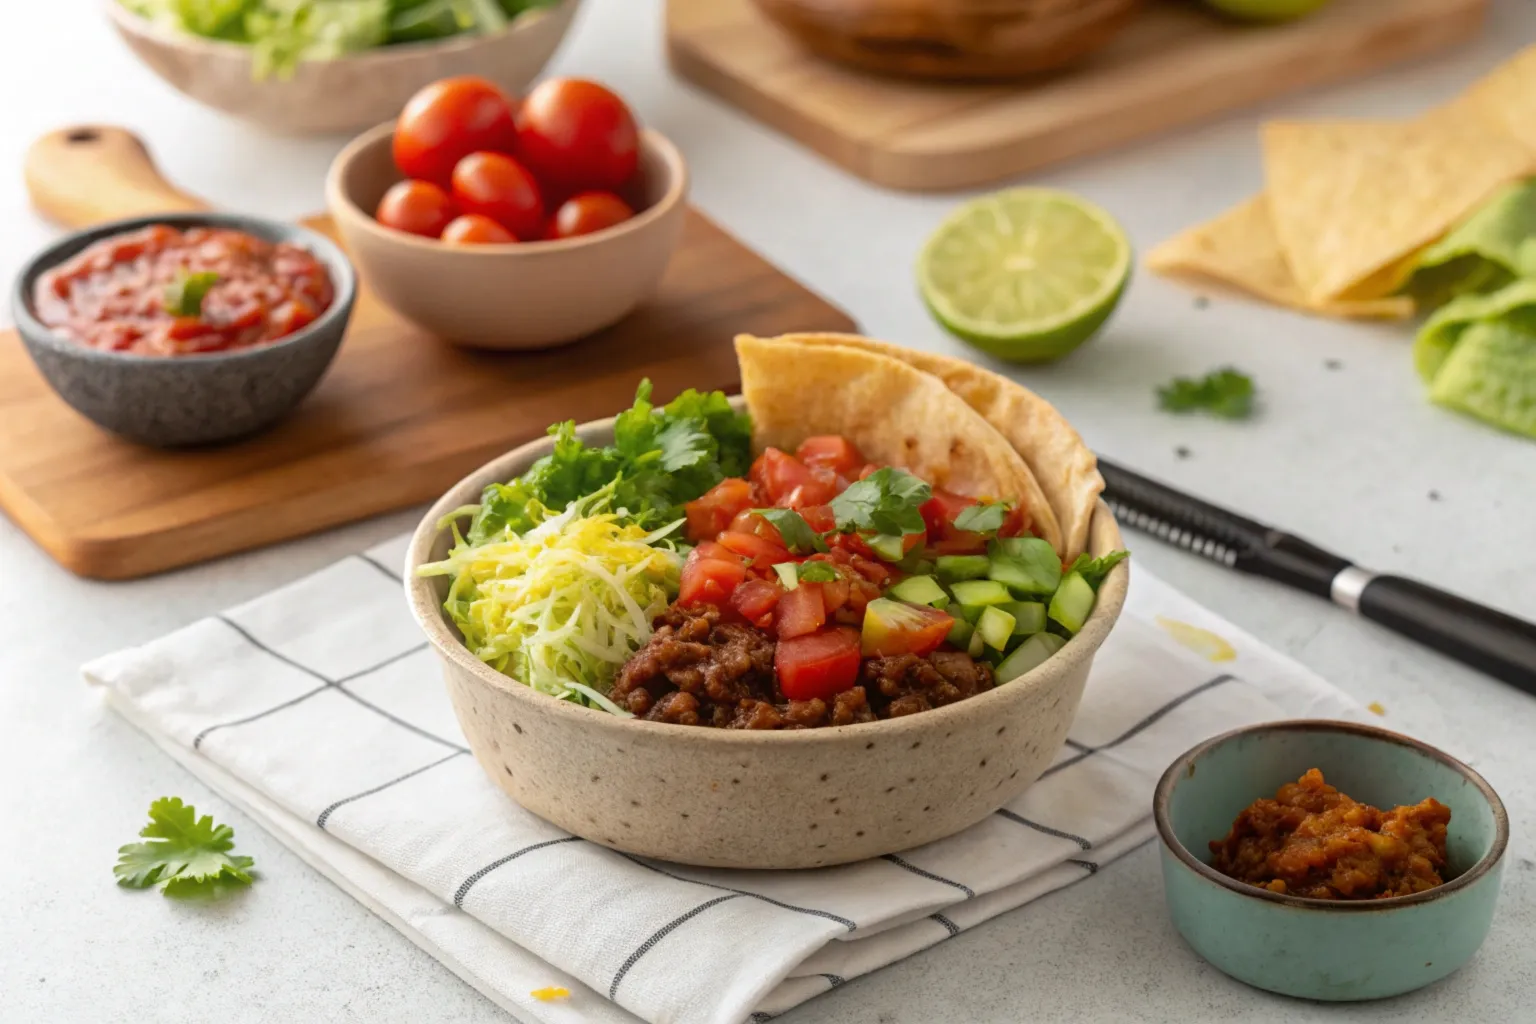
(885, 502)
(186, 855)
(184, 296)
(793, 529)
(983, 518)
(1226, 392)
(1093, 570)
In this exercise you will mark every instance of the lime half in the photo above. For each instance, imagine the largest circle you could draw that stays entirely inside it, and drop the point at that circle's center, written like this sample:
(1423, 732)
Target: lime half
(1028, 274)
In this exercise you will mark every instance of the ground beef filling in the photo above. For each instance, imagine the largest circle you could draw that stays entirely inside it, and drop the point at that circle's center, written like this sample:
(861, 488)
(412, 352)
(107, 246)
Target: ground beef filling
(698, 670)
(1313, 841)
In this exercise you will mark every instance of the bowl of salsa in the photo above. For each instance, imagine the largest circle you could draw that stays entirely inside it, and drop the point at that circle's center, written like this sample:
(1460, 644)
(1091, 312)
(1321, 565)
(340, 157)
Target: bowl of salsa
(185, 329)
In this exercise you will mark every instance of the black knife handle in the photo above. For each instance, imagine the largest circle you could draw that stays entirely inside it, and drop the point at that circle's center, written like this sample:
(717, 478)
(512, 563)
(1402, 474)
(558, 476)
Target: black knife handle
(1498, 644)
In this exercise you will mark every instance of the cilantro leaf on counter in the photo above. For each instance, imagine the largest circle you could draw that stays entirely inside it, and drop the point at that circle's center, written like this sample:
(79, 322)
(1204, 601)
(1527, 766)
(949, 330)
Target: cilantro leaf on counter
(1093, 570)
(793, 529)
(885, 502)
(660, 458)
(1227, 393)
(186, 855)
(984, 518)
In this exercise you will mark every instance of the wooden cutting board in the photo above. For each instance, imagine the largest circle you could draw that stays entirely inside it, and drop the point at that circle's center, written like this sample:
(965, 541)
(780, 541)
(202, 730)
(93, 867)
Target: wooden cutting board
(399, 417)
(1176, 63)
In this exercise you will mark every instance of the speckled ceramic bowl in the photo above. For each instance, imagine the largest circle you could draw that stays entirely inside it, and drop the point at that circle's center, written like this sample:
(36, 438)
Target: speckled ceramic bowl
(754, 799)
(200, 399)
(1327, 949)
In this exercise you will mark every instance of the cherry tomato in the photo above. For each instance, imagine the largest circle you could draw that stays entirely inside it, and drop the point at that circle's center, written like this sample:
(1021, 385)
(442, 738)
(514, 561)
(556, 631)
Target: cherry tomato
(495, 185)
(832, 451)
(712, 512)
(473, 229)
(578, 136)
(755, 600)
(709, 579)
(447, 121)
(418, 207)
(801, 611)
(818, 665)
(939, 514)
(587, 213)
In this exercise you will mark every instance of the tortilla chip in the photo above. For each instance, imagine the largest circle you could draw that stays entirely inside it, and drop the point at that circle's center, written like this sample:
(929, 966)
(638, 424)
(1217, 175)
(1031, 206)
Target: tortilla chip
(896, 414)
(1065, 468)
(1239, 248)
(1353, 202)
(1505, 98)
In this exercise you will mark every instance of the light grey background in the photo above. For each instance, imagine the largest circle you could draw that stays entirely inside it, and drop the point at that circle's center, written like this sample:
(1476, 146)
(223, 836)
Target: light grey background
(1353, 458)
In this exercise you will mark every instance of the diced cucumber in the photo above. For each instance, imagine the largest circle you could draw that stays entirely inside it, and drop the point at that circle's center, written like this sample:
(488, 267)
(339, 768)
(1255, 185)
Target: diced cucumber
(888, 546)
(1028, 617)
(980, 592)
(1072, 603)
(995, 627)
(789, 574)
(1027, 564)
(960, 634)
(969, 612)
(923, 567)
(920, 590)
(1030, 654)
(953, 568)
(977, 646)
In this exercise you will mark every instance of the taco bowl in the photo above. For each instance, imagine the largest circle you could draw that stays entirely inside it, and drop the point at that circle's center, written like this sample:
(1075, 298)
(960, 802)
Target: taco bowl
(787, 797)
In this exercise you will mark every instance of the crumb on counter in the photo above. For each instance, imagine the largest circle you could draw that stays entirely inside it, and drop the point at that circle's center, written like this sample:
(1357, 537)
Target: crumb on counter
(550, 994)
(1375, 708)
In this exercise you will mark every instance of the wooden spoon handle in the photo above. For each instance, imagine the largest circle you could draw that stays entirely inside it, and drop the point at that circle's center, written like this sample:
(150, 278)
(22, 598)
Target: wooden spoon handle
(88, 174)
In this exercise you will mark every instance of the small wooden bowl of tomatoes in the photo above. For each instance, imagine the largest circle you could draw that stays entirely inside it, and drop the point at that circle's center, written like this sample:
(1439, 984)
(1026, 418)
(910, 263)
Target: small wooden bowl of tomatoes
(505, 223)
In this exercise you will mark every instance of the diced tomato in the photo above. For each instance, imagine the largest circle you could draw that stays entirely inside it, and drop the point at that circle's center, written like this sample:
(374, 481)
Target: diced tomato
(818, 665)
(832, 451)
(759, 552)
(790, 483)
(893, 627)
(849, 544)
(873, 571)
(711, 513)
(801, 611)
(860, 593)
(755, 601)
(866, 471)
(1017, 523)
(818, 517)
(747, 522)
(834, 595)
(939, 514)
(709, 580)
(714, 549)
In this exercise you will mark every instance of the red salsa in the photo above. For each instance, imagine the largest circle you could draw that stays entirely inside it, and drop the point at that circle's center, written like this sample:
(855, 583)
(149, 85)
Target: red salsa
(161, 291)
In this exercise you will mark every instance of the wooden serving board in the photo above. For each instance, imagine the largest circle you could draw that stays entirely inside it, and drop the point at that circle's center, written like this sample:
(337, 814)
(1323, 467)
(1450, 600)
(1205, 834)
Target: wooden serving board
(1176, 63)
(399, 418)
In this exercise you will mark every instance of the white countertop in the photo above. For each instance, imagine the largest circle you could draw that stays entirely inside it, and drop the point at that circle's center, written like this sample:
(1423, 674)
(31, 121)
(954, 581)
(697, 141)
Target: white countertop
(1352, 457)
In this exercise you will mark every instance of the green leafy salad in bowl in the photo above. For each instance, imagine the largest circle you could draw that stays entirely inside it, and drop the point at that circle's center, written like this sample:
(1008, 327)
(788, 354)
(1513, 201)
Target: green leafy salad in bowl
(281, 33)
(560, 573)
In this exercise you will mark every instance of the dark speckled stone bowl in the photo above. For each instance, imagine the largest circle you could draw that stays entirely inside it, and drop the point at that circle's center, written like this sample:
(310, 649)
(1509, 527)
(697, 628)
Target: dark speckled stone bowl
(181, 401)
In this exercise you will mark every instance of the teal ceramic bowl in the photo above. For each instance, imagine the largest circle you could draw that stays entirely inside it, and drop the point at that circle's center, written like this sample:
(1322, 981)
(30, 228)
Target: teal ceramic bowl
(1327, 949)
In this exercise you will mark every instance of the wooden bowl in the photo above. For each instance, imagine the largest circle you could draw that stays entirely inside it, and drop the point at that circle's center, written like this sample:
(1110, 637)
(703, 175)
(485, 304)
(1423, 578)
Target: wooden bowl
(953, 39)
(348, 93)
(528, 295)
(740, 799)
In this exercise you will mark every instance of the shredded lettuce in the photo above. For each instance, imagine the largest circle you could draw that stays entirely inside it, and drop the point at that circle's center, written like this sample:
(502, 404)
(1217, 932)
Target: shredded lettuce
(563, 605)
(281, 33)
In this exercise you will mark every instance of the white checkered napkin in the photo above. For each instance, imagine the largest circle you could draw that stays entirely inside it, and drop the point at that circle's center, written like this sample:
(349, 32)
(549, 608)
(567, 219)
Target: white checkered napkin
(320, 711)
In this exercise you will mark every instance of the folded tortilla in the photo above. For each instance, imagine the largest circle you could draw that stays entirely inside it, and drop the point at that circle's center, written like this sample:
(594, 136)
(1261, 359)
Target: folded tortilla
(953, 424)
